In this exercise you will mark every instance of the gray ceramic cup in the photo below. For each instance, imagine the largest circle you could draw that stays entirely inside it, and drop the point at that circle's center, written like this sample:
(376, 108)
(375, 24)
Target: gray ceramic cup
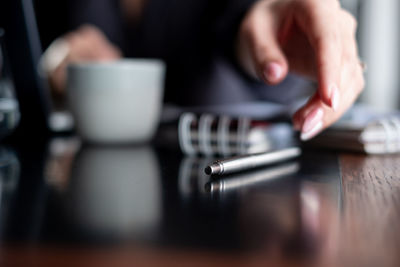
(116, 102)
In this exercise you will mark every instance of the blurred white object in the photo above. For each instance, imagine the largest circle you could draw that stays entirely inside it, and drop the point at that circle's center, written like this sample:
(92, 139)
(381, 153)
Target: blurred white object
(54, 55)
(379, 47)
(116, 102)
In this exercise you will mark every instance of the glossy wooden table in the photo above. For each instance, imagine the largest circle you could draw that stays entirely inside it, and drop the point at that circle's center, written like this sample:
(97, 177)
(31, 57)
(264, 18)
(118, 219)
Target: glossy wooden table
(337, 210)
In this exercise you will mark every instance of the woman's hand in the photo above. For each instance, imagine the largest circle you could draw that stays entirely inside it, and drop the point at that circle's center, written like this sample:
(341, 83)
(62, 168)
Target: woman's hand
(314, 38)
(85, 44)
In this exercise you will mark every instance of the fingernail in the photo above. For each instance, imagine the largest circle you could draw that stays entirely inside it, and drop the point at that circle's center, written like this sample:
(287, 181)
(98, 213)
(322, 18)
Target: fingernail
(313, 132)
(273, 72)
(334, 95)
(312, 120)
(335, 98)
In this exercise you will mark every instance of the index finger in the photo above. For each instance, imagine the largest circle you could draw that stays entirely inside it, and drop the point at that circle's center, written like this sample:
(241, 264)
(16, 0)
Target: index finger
(318, 21)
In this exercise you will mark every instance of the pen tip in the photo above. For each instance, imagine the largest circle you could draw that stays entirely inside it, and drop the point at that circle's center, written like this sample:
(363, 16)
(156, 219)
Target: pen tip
(213, 169)
(208, 170)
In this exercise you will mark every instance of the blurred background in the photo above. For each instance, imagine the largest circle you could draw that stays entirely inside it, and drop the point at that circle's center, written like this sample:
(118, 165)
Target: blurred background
(378, 37)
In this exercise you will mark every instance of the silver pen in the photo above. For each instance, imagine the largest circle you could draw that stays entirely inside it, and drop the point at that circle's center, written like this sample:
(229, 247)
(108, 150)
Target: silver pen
(247, 162)
(250, 179)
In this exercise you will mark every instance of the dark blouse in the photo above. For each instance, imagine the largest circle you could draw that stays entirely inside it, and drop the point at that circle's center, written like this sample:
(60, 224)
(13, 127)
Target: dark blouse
(196, 40)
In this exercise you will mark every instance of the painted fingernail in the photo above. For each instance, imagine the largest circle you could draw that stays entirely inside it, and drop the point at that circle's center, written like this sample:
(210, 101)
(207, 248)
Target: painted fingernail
(312, 120)
(273, 72)
(335, 99)
(334, 94)
(313, 132)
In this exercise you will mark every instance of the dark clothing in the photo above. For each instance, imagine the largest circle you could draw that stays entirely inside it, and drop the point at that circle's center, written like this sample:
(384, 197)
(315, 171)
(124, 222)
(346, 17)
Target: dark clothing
(194, 37)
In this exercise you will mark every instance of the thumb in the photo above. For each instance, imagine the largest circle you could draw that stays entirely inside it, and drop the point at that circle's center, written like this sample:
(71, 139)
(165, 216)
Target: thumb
(273, 67)
(259, 48)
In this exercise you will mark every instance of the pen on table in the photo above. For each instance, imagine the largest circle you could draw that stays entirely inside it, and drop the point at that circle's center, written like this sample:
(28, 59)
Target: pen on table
(247, 162)
(253, 178)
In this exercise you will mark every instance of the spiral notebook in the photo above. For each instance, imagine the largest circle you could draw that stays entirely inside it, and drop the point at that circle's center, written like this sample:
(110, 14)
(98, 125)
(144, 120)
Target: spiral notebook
(209, 134)
(363, 130)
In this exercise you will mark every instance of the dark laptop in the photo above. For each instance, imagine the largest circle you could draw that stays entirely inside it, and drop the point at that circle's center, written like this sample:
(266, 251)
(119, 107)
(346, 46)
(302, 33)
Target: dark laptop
(24, 48)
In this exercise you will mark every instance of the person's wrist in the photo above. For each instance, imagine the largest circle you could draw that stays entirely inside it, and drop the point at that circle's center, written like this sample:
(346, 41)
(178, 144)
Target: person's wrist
(53, 57)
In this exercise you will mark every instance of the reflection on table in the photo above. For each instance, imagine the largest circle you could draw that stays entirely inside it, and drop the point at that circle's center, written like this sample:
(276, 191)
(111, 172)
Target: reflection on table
(146, 197)
(280, 209)
(9, 176)
(111, 191)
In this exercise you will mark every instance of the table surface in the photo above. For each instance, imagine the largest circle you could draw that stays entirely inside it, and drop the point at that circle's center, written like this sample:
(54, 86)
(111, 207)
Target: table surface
(68, 204)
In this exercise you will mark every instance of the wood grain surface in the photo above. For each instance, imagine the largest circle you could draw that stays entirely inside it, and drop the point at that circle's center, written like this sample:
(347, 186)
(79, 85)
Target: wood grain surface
(370, 226)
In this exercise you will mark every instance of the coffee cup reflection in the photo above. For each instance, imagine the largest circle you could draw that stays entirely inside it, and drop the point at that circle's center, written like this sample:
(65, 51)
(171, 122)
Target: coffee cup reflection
(115, 191)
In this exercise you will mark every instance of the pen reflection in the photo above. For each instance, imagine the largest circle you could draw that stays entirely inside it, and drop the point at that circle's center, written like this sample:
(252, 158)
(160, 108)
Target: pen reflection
(115, 191)
(191, 178)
